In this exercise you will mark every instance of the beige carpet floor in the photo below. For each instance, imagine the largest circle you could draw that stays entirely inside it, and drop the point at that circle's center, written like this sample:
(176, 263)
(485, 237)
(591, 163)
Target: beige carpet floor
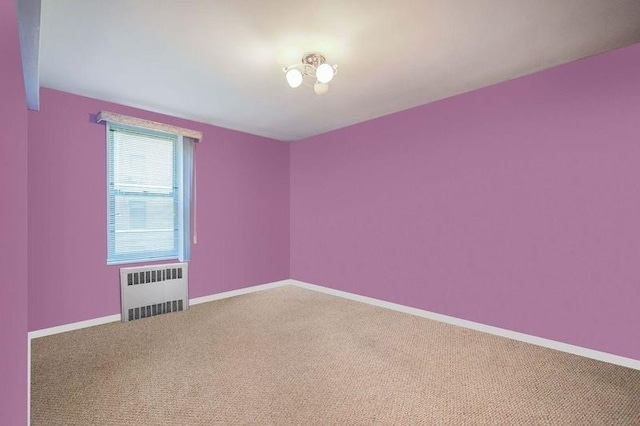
(289, 356)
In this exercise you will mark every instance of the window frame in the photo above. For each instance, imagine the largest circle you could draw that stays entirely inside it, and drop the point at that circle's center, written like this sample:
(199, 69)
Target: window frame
(177, 195)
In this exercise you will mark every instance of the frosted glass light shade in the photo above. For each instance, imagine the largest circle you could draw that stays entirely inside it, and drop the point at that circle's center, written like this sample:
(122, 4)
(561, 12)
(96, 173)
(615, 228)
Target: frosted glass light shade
(324, 73)
(294, 78)
(320, 88)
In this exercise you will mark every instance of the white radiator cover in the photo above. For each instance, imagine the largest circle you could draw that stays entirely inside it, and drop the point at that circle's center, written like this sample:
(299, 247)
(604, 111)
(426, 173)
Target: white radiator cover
(147, 291)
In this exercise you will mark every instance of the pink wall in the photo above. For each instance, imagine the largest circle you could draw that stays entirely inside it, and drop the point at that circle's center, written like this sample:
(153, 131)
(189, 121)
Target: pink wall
(242, 210)
(517, 205)
(13, 224)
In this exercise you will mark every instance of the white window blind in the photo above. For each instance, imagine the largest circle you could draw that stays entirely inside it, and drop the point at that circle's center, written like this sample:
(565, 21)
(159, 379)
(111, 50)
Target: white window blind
(149, 194)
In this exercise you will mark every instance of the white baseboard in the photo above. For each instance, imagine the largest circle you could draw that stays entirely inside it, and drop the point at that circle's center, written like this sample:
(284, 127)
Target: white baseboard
(116, 317)
(232, 293)
(539, 341)
(28, 380)
(73, 326)
(552, 344)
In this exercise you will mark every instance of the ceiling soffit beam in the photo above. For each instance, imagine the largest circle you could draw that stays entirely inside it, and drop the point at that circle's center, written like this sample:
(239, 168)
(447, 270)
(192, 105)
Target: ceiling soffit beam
(29, 32)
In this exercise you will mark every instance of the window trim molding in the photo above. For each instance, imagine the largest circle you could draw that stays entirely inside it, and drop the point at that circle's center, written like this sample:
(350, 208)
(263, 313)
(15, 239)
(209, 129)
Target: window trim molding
(159, 255)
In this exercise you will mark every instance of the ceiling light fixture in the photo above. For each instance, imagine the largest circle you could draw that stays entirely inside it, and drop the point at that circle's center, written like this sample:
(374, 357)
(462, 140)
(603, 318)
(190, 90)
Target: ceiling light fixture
(313, 65)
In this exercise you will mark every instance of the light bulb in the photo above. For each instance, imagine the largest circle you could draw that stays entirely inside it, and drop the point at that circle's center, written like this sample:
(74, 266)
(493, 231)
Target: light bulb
(324, 73)
(320, 88)
(294, 77)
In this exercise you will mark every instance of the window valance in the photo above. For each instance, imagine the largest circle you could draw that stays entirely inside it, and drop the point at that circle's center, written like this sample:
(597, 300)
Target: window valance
(116, 118)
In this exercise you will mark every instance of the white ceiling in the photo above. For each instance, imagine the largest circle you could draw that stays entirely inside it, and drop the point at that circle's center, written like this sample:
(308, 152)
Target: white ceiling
(220, 62)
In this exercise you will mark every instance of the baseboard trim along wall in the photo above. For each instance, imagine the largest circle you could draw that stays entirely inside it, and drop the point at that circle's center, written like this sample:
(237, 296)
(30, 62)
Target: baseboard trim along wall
(73, 326)
(522, 337)
(552, 344)
(232, 293)
(116, 317)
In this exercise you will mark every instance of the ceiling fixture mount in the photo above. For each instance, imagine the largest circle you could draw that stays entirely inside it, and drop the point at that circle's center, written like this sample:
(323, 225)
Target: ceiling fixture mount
(314, 66)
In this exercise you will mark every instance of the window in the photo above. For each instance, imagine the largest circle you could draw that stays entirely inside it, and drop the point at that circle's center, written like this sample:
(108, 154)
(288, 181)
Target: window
(148, 195)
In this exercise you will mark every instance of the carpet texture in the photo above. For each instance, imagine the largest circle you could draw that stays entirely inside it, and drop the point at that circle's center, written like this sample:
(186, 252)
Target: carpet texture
(289, 356)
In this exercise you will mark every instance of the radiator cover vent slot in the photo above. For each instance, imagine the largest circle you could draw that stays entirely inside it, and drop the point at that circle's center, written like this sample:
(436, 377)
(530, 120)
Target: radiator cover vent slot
(148, 291)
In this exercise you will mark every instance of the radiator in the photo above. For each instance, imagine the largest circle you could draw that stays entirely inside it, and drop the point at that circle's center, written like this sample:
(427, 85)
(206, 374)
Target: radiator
(148, 291)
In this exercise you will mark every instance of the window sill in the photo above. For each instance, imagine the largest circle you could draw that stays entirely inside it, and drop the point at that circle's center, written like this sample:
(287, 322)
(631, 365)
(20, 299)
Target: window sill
(129, 262)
